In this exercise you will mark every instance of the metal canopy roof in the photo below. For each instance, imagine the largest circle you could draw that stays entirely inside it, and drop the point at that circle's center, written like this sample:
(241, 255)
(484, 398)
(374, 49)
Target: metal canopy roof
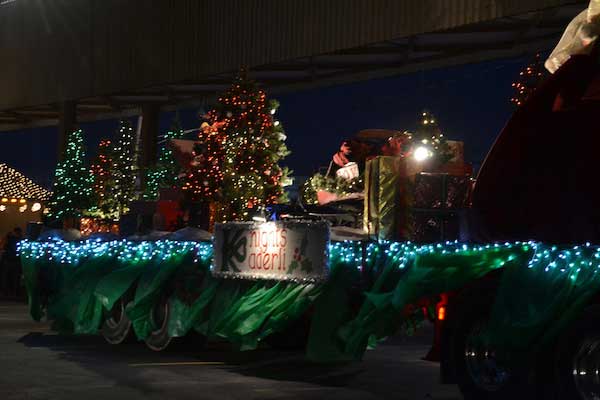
(115, 70)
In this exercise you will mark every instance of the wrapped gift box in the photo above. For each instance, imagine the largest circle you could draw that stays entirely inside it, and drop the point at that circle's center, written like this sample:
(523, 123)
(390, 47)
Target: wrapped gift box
(405, 200)
(432, 228)
(438, 199)
(381, 197)
(441, 191)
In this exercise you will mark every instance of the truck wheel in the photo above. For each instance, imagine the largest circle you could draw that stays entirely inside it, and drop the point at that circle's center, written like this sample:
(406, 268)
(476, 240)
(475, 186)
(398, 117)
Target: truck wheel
(116, 328)
(578, 358)
(159, 338)
(479, 370)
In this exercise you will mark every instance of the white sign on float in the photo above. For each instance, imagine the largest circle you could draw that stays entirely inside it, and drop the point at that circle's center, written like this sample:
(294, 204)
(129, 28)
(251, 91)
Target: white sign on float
(348, 172)
(297, 250)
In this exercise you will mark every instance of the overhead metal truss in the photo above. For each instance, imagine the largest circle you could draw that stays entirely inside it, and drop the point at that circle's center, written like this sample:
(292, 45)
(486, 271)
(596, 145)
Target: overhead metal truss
(499, 38)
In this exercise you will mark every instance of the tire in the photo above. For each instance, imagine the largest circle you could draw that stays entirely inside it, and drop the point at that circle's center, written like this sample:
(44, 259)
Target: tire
(159, 338)
(479, 373)
(116, 328)
(578, 358)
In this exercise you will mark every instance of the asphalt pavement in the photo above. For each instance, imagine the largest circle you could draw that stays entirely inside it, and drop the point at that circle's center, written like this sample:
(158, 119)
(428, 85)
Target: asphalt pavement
(36, 363)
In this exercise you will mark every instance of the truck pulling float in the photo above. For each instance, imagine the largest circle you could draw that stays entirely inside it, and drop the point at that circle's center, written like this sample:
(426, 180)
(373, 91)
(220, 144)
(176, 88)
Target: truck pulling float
(516, 308)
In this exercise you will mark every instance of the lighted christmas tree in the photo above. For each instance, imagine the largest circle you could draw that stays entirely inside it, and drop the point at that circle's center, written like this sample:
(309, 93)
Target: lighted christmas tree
(72, 190)
(124, 170)
(241, 146)
(204, 180)
(105, 206)
(528, 81)
(429, 140)
(255, 143)
(165, 174)
(101, 167)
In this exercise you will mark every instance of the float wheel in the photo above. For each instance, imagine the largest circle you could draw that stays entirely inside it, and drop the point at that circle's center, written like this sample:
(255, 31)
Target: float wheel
(159, 338)
(578, 358)
(482, 372)
(117, 328)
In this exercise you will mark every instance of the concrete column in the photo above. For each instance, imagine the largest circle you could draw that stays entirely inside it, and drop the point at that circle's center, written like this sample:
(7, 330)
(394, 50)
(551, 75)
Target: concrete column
(67, 123)
(149, 133)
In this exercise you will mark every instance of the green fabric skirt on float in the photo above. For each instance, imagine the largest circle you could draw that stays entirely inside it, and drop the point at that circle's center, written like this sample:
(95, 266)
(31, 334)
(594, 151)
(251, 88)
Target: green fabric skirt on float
(366, 297)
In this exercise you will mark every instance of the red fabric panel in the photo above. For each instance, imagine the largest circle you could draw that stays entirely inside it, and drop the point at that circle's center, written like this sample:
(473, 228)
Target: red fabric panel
(540, 179)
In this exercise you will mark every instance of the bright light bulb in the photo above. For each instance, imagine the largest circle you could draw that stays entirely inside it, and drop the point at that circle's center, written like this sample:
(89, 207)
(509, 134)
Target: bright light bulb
(422, 153)
(36, 207)
(2, 207)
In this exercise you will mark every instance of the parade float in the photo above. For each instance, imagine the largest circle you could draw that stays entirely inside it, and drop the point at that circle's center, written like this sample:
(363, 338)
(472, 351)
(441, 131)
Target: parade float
(516, 309)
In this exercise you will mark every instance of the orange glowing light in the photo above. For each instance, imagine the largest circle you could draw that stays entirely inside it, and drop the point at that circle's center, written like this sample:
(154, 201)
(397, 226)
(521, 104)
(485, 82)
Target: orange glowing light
(441, 314)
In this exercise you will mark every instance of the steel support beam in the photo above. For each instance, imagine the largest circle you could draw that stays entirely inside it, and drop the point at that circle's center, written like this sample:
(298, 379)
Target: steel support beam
(149, 133)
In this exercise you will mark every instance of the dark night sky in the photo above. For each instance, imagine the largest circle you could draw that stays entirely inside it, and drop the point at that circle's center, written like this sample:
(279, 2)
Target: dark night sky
(471, 103)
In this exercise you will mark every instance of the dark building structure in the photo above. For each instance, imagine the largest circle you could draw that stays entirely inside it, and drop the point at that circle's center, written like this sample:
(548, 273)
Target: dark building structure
(66, 61)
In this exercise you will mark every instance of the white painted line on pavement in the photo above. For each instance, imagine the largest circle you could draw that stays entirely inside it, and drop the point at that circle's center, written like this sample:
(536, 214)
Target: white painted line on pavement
(182, 363)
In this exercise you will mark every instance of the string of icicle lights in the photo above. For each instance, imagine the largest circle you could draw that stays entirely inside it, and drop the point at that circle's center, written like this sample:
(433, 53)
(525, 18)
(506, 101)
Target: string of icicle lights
(15, 186)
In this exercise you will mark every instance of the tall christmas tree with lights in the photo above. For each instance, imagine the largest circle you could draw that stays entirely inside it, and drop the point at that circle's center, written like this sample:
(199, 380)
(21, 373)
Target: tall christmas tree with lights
(254, 145)
(124, 170)
(528, 81)
(165, 174)
(241, 146)
(204, 180)
(72, 190)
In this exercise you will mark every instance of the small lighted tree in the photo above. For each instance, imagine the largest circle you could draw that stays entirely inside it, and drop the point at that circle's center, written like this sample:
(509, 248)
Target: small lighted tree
(166, 172)
(105, 206)
(428, 135)
(124, 170)
(72, 189)
(204, 180)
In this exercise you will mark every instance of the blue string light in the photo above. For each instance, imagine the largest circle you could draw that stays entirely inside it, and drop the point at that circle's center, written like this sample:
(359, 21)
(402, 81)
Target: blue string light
(573, 261)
